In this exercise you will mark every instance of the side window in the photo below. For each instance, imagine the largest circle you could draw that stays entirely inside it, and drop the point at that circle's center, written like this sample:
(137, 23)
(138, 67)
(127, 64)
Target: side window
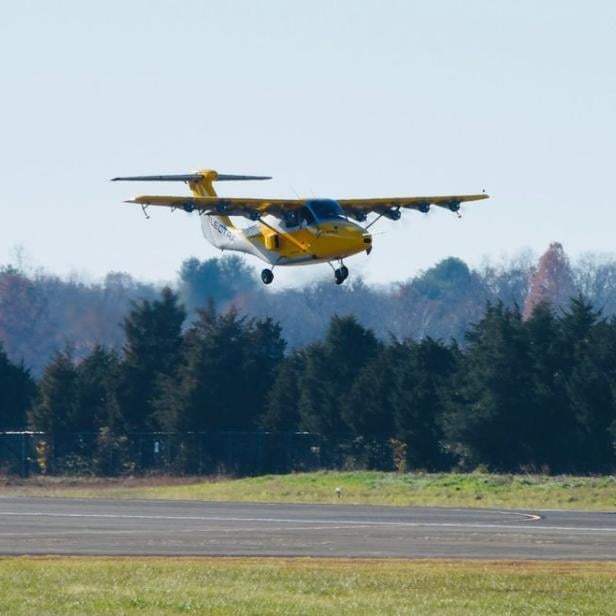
(307, 216)
(291, 219)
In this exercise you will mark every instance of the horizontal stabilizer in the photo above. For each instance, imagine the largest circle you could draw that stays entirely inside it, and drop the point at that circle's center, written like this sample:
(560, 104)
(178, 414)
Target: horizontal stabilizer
(190, 177)
(225, 177)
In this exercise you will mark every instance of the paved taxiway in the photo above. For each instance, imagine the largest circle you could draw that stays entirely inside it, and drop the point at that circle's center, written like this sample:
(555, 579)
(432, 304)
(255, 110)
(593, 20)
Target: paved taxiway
(180, 528)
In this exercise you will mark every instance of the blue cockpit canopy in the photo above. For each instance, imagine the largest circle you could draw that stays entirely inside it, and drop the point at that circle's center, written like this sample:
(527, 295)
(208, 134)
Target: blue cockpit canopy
(325, 209)
(313, 212)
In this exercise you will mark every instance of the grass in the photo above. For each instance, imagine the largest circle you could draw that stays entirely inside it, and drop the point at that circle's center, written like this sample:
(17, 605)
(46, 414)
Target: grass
(365, 487)
(98, 586)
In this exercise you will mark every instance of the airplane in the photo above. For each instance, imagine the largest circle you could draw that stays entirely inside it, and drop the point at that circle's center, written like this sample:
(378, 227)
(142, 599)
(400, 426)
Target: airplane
(287, 231)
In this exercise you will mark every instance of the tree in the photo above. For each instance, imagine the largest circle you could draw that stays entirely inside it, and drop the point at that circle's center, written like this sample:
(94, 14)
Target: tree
(215, 280)
(490, 410)
(588, 348)
(441, 302)
(227, 367)
(552, 282)
(367, 408)
(331, 368)
(281, 410)
(17, 391)
(153, 332)
(422, 374)
(96, 405)
(54, 410)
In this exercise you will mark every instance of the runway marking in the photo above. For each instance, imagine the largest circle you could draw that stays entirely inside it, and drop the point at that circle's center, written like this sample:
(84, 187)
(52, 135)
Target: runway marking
(85, 531)
(529, 517)
(320, 523)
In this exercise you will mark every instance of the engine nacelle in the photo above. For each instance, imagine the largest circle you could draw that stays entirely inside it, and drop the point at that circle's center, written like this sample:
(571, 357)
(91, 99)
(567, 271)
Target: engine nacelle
(251, 214)
(393, 213)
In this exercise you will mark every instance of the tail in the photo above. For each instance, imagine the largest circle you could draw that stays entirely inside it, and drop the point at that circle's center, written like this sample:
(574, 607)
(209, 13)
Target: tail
(216, 229)
(200, 182)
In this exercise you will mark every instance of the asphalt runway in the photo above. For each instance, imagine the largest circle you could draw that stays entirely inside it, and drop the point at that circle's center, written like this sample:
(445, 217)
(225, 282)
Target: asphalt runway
(181, 528)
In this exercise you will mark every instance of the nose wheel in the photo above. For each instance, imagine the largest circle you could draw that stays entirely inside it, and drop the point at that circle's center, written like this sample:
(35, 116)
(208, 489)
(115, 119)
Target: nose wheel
(341, 274)
(267, 276)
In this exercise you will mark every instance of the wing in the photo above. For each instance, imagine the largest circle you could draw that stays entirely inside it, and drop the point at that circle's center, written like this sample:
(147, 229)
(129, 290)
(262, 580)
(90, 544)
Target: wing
(227, 206)
(390, 207)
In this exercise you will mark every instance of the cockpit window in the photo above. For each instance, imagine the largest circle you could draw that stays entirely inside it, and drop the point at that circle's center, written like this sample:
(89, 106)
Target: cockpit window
(314, 211)
(325, 209)
(291, 219)
(306, 216)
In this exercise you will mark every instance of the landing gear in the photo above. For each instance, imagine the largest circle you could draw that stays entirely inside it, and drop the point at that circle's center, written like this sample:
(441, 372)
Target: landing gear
(267, 276)
(341, 274)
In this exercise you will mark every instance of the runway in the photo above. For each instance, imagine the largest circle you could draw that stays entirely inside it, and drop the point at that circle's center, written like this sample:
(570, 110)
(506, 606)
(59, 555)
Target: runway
(182, 528)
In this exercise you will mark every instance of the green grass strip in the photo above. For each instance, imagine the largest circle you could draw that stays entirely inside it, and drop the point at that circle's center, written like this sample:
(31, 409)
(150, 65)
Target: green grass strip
(95, 586)
(362, 487)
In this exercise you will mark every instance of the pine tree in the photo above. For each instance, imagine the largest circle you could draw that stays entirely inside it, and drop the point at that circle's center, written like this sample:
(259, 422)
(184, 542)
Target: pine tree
(151, 353)
(227, 367)
(490, 405)
(281, 411)
(96, 406)
(17, 391)
(367, 409)
(331, 368)
(588, 346)
(421, 374)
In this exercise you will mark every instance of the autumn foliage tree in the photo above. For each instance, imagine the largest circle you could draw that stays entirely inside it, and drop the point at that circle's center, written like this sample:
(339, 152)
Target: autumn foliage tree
(552, 282)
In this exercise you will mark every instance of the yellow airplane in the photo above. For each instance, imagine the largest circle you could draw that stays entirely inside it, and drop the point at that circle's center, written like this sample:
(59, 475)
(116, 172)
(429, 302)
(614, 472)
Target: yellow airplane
(287, 231)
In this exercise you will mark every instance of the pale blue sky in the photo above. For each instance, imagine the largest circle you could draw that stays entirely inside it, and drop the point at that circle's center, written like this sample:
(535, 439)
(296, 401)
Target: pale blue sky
(333, 99)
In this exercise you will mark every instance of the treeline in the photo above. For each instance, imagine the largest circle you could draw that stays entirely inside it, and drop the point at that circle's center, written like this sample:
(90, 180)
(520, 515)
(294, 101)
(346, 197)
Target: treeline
(41, 314)
(534, 393)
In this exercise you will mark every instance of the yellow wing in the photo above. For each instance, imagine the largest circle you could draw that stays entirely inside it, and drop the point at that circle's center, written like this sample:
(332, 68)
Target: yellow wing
(227, 206)
(389, 206)
(254, 208)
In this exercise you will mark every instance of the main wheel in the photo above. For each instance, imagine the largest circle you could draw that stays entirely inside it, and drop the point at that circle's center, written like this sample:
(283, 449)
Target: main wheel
(339, 276)
(344, 270)
(267, 276)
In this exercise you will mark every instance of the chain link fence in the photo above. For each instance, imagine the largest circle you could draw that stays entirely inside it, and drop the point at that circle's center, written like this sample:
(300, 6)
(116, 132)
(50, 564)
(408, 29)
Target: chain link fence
(203, 453)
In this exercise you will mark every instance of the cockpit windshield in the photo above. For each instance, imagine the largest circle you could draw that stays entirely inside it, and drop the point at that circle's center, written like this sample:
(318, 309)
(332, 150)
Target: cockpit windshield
(325, 209)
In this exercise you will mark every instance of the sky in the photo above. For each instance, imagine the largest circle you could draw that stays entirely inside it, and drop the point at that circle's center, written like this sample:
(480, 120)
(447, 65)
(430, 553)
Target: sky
(333, 99)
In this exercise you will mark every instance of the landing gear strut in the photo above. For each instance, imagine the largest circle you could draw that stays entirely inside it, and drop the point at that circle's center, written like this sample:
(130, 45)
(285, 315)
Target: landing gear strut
(267, 276)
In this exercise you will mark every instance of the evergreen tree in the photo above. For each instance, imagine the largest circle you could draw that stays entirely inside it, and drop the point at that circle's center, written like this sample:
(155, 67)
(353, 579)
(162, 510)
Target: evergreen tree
(588, 348)
(490, 405)
(422, 373)
(549, 440)
(228, 365)
(331, 368)
(54, 410)
(263, 355)
(281, 411)
(95, 404)
(367, 408)
(152, 352)
(17, 391)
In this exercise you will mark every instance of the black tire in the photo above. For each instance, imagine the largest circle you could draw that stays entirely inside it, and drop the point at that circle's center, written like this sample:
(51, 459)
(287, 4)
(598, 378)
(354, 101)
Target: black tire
(338, 276)
(344, 270)
(267, 276)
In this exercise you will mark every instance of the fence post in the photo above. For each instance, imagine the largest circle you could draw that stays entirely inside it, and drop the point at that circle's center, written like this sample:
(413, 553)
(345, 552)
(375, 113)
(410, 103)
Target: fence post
(24, 456)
